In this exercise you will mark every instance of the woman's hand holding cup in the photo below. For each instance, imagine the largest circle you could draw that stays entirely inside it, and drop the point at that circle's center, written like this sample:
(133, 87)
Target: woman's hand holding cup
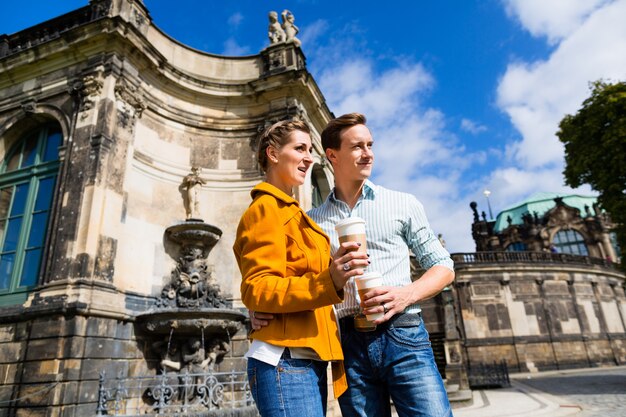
(348, 262)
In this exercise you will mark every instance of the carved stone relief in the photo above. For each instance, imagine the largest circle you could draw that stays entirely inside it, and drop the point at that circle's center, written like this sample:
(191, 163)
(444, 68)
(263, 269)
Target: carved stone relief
(130, 104)
(89, 88)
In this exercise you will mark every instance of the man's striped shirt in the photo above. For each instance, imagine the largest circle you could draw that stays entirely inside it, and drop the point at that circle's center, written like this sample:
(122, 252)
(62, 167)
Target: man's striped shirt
(395, 224)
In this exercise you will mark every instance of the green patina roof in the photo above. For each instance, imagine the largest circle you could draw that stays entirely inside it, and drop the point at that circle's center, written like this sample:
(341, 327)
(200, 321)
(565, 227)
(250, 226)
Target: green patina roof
(541, 203)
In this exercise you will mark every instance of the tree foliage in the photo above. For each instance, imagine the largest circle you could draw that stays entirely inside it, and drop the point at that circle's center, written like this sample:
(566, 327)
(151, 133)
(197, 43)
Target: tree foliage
(595, 149)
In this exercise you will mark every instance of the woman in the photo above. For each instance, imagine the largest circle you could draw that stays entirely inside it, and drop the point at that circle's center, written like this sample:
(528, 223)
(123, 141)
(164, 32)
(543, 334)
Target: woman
(286, 269)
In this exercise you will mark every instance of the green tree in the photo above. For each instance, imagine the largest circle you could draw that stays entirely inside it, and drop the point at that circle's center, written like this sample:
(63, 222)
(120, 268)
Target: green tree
(595, 149)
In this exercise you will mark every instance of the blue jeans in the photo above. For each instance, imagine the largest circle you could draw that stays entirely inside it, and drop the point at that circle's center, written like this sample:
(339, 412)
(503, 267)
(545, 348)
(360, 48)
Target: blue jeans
(396, 362)
(294, 388)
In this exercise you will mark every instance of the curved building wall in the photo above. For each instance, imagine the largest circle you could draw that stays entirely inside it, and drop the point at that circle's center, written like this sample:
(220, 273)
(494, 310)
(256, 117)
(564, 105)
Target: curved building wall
(542, 312)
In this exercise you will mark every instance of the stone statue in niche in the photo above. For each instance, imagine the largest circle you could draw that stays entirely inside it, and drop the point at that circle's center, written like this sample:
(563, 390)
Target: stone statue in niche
(275, 31)
(291, 30)
(192, 184)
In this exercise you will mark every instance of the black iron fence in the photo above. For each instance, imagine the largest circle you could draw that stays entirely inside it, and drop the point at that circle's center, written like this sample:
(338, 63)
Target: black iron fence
(485, 375)
(199, 394)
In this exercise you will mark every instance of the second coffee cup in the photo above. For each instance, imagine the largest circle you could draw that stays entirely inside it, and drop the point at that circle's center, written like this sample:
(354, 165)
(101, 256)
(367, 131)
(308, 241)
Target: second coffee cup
(352, 229)
(366, 282)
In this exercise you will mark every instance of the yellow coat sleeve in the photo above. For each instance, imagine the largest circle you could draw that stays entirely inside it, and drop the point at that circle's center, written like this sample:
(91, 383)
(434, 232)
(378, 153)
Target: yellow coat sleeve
(268, 284)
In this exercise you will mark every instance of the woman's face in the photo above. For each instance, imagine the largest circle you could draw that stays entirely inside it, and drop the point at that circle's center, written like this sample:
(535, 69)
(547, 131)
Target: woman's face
(290, 163)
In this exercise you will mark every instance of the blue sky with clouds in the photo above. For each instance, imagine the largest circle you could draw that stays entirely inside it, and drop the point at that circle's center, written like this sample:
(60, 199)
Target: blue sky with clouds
(461, 96)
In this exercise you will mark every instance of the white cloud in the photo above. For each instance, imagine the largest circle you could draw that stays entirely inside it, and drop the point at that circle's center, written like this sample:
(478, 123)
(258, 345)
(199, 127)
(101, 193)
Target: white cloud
(235, 20)
(555, 19)
(312, 32)
(414, 151)
(536, 95)
(472, 127)
(232, 48)
(354, 86)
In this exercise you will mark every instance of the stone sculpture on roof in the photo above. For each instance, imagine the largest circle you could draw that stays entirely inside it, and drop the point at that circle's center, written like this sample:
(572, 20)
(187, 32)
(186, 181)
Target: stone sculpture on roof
(285, 32)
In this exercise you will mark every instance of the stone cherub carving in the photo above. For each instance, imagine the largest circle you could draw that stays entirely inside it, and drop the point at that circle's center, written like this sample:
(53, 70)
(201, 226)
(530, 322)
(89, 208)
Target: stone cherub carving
(192, 184)
(291, 30)
(285, 32)
(275, 31)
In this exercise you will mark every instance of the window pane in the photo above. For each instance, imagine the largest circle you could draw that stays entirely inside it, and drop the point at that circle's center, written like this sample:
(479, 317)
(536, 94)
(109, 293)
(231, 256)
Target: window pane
(21, 192)
(44, 194)
(37, 230)
(14, 161)
(29, 151)
(31, 268)
(583, 249)
(3, 224)
(6, 267)
(5, 201)
(13, 234)
(51, 151)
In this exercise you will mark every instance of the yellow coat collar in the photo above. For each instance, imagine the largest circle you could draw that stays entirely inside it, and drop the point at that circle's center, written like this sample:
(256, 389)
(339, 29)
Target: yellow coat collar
(267, 188)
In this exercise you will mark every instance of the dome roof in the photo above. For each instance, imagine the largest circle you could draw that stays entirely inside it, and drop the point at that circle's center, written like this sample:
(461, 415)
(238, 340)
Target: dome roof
(541, 203)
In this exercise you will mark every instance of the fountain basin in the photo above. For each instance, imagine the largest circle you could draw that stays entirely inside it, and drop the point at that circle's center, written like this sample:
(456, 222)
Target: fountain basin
(194, 232)
(213, 321)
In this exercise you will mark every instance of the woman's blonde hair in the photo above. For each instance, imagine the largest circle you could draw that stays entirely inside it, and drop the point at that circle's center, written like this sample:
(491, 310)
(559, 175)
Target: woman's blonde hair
(277, 135)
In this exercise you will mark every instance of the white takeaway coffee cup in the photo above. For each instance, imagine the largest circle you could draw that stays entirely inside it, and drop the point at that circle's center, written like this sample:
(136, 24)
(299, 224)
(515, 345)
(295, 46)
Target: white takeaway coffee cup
(352, 229)
(366, 282)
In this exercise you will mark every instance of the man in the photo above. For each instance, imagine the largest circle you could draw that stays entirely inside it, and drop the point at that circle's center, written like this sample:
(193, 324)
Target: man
(395, 360)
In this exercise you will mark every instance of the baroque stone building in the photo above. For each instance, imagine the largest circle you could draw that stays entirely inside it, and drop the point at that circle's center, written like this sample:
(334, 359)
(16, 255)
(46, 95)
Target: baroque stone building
(110, 133)
(542, 291)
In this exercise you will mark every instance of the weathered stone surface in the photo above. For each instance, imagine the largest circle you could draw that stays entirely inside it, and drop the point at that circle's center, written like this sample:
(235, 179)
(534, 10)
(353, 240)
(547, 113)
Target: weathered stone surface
(11, 352)
(91, 368)
(551, 323)
(7, 333)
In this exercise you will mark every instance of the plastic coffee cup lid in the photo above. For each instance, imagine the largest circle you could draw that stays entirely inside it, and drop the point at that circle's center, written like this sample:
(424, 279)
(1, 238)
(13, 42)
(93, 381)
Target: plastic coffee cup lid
(349, 220)
(369, 275)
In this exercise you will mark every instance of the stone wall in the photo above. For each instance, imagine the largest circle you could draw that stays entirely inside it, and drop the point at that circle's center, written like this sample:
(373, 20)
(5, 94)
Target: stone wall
(541, 316)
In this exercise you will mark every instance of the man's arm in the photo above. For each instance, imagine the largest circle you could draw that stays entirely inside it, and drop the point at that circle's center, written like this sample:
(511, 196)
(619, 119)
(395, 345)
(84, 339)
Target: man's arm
(432, 256)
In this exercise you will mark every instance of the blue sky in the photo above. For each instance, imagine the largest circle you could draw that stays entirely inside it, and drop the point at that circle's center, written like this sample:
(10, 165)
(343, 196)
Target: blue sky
(461, 96)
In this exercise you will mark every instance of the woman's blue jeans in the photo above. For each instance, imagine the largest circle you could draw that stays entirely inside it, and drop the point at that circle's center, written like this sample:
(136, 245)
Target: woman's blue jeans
(396, 362)
(294, 388)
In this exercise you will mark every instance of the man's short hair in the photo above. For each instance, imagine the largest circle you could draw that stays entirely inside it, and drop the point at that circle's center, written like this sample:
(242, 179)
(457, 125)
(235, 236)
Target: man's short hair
(331, 135)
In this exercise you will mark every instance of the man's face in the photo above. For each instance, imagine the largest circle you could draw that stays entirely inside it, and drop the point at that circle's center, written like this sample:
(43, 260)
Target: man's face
(354, 158)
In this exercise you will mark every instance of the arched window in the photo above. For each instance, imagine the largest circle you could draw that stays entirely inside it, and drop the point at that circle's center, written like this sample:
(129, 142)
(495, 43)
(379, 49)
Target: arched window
(517, 247)
(570, 241)
(27, 181)
(320, 185)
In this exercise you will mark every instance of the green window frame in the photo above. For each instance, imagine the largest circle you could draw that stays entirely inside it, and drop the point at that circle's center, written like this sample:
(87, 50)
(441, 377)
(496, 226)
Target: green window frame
(28, 177)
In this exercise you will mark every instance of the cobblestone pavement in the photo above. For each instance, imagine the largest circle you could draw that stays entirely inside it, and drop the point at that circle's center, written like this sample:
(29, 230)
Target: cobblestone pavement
(597, 391)
(592, 392)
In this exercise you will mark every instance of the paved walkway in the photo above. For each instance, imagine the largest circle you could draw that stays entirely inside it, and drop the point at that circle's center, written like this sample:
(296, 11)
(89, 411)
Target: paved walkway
(580, 393)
